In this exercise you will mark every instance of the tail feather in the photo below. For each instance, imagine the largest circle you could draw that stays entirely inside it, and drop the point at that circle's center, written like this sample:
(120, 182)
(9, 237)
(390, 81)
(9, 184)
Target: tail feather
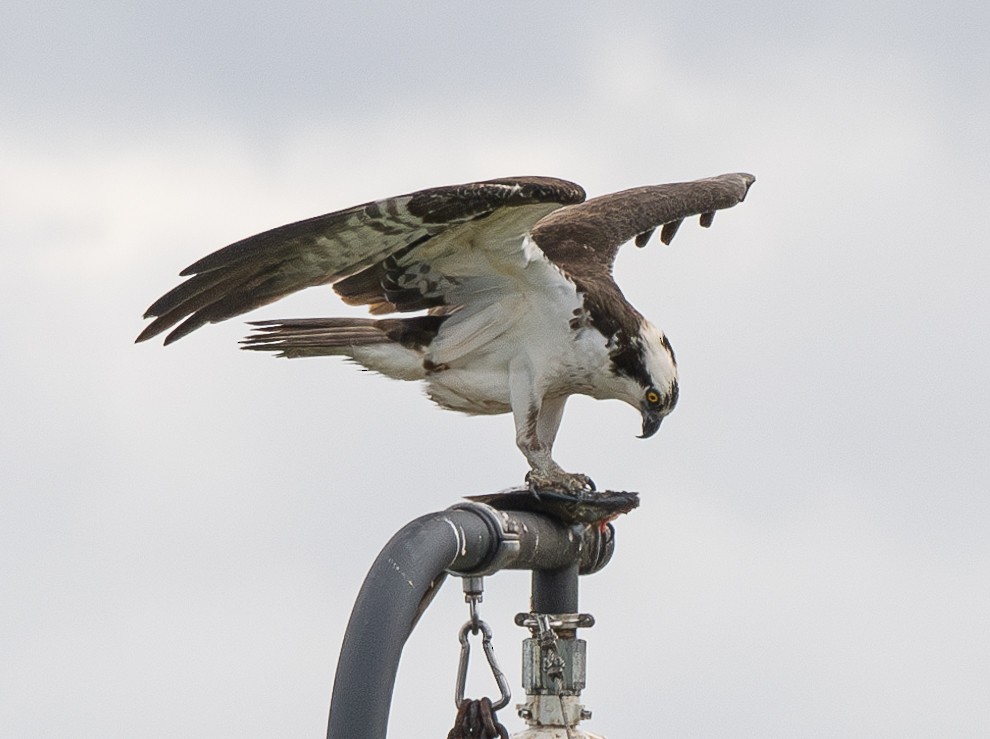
(313, 337)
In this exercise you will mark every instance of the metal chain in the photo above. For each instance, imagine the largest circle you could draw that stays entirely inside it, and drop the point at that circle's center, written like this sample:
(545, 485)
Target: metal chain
(476, 720)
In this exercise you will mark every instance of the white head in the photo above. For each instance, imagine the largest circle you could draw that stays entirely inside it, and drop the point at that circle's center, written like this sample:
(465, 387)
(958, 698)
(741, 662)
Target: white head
(645, 371)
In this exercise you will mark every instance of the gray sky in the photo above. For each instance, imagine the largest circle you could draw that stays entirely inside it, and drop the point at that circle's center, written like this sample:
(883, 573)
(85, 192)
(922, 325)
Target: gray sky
(183, 531)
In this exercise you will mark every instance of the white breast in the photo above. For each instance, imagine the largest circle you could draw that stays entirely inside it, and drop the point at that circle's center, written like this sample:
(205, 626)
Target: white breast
(508, 313)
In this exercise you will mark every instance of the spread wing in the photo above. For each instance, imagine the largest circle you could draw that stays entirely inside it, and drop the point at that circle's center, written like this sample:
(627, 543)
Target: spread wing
(583, 239)
(366, 252)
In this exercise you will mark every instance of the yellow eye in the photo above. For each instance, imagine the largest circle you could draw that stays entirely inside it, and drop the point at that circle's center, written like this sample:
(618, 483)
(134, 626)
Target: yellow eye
(652, 397)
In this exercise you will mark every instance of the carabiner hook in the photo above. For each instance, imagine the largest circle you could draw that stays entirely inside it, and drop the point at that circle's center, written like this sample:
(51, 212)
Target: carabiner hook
(473, 626)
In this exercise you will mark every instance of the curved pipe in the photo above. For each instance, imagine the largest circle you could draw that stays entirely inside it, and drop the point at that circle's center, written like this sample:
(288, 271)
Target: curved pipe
(471, 538)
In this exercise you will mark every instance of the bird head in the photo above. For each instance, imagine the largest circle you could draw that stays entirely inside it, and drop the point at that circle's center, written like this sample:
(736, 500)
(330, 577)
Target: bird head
(646, 369)
(655, 406)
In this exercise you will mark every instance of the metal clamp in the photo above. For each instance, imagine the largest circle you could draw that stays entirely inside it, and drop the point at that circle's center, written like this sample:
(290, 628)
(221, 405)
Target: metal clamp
(505, 533)
(557, 621)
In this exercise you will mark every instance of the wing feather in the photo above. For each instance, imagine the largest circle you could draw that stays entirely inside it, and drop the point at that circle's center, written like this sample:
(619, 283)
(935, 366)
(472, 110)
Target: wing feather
(336, 246)
(587, 236)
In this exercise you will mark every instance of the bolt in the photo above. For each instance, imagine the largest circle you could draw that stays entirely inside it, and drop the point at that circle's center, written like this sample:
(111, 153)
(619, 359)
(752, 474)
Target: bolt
(525, 713)
(585, 714)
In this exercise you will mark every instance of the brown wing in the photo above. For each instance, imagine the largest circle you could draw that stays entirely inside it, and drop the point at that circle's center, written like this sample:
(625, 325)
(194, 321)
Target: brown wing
(584, 239)
(327, 249)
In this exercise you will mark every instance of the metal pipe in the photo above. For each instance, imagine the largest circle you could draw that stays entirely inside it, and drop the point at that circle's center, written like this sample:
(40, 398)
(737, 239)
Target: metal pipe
(469, 539)
(555, 591)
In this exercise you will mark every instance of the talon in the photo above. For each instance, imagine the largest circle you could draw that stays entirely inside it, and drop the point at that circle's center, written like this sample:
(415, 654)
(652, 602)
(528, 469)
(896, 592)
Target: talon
(563, 482)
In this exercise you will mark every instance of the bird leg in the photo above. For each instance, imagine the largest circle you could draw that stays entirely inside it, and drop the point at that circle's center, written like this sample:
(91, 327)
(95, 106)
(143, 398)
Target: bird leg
(536, 430)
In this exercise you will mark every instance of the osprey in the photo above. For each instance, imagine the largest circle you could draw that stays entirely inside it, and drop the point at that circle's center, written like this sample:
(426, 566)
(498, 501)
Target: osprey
(512, 283)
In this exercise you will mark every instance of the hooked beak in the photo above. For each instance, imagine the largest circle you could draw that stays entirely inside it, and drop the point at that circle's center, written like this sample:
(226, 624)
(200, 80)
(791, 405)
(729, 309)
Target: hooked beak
(651, 422)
